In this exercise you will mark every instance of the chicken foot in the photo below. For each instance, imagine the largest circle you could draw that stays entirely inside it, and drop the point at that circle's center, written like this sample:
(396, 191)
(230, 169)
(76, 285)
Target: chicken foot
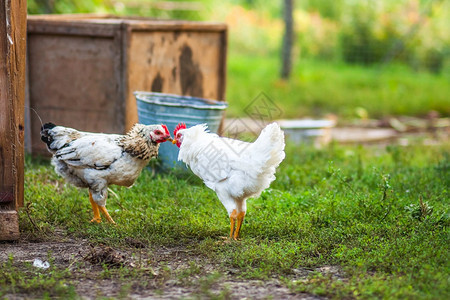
(240, 220)
(106, 214)
(236, 219)
(233, 217)
(97, 218)
(97, 208)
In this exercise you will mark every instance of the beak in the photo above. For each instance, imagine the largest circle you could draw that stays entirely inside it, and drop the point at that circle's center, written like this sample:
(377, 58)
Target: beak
(169, 139)
(174, 141)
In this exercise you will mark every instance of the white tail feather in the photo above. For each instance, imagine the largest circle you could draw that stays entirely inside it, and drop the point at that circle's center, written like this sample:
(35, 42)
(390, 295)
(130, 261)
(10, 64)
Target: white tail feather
(270, 147)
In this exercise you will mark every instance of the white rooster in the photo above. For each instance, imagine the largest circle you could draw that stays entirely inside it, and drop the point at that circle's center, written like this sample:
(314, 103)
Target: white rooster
(97, 160)
(235, 170)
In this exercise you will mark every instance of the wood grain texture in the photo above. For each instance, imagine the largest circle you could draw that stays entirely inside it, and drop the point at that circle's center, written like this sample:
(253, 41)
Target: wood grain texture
(9, 225)
(183, 63)
(74, 81)
(12, 94)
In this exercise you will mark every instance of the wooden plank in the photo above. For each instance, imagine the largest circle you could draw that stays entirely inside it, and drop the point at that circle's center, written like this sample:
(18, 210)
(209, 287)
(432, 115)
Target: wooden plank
(223, 77)
(75, 82)
(9, 225)
(182, 63)
(7, 180)
(130, 118)
(12, 94)
(223, 66)
(177, 26)
(71, 28)
(28, 110)
(136, 23)
(120, 70)
(69, 16)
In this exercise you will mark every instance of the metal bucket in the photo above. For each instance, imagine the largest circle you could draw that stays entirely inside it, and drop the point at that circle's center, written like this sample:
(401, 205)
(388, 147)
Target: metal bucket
(316, 132)
(158, 108)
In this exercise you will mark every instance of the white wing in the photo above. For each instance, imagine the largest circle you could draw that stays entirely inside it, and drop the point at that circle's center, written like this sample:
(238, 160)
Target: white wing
(97, 151)
(214, 159)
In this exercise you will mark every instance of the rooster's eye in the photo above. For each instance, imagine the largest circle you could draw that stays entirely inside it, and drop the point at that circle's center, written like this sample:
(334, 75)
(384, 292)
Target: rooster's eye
(157, 132)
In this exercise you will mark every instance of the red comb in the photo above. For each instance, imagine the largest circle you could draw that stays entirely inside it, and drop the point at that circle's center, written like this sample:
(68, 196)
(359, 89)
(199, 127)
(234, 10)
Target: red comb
(166, 130)
(179, 126)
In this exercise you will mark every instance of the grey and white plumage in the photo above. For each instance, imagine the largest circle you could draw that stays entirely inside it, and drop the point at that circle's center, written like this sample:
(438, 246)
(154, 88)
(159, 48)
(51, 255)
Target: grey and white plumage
(97, 160)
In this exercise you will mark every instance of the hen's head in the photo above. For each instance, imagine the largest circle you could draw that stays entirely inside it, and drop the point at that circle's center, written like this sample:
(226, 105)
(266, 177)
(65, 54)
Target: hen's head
(178, 134)
(159, 133)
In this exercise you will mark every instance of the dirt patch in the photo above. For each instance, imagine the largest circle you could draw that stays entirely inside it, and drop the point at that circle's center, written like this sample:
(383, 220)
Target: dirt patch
(142, 273)
(102, 255)
(62, 252)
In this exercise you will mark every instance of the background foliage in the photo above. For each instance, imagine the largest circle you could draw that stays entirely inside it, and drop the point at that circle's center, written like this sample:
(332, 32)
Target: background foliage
(414, 32)
(386, 57)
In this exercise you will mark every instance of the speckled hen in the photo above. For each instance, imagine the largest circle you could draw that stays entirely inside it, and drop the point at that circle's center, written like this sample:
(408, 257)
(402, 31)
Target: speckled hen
(97, 160)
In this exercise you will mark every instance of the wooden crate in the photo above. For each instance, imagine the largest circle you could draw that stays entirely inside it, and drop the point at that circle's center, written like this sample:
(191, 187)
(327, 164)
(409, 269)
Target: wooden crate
(83, 69)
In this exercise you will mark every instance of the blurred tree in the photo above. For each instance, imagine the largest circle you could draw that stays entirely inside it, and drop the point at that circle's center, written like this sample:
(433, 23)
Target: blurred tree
(286, 49)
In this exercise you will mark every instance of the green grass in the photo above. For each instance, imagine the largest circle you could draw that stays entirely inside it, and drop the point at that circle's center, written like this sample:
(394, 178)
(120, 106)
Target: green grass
(317, 88)
(380, 214)
(30, 281)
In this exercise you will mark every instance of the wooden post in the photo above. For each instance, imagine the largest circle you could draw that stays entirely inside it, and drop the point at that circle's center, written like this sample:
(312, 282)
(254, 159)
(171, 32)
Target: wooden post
(12, 93)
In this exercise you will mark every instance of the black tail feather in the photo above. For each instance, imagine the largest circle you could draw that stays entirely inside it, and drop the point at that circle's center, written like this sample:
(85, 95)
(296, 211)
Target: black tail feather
(48, 125)
(45, 136)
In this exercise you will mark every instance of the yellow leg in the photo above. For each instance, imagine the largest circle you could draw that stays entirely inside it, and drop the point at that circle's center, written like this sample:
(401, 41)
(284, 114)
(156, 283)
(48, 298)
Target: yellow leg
(97, 218)
(106, 214)
(232, 221)
(240, 219)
